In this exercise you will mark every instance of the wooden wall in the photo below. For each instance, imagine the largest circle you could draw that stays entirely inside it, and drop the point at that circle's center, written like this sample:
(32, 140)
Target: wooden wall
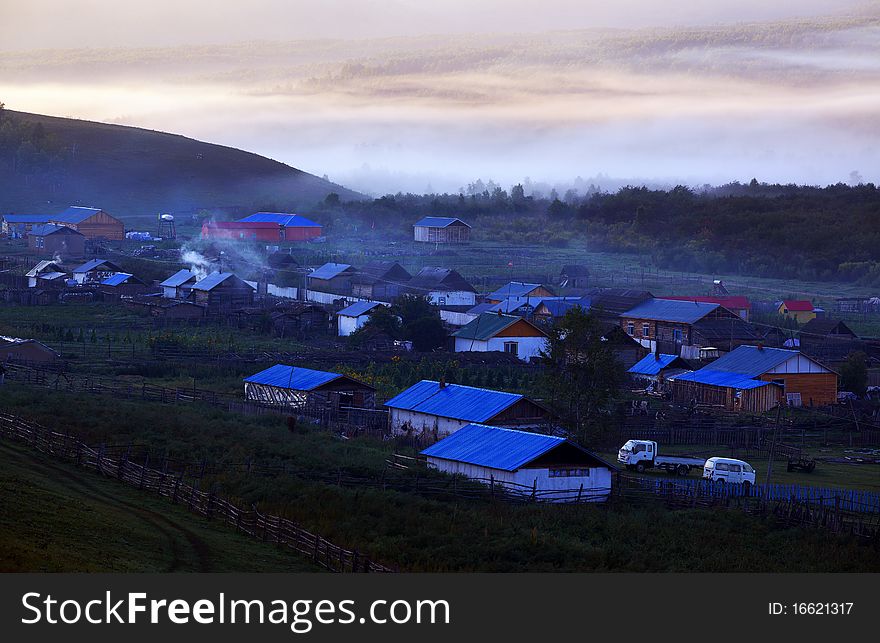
(816, 389)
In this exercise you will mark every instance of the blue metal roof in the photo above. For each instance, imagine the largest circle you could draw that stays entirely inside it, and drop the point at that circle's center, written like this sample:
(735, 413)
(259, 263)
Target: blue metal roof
(178, 278)
(117, 279)
(671, 310)
(90, 265)
(486, 446)
(453, 401)
(514, 289)
(721, 378)
(438, 222)
(358, 308)
(212, 281)
(558, 307)
(26, 218)
(50, 228)
(329, 270)
(75, 214)
(652, 364)
(293, 377)
(751, 361)
(281, 218)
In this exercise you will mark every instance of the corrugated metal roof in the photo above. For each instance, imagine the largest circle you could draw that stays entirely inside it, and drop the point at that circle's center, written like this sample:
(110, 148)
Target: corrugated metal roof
(514, 289)
(45, 264)
(329, 270)
(436, 278)
(75, 214)
(212, 281)
(51, 276)
(117, 279)
(50, 228)
(721, 378)
(486, 326)
(178, 278)
(558, 307)
(26, 218)
(281, 218)
(671, 310)
(91, 265)
(453, 401)
(358, 308)
(652, 364)
(486, 446)
(293, 377)
(751, 361)
(732, 302)
(798, 305)
(438, 222)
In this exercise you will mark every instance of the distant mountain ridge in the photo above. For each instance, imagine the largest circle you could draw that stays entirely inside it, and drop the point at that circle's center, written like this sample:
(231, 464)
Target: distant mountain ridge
(135, 173)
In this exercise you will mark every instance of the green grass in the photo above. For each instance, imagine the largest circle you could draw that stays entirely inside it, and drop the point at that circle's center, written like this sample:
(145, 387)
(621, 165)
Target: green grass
(55, 517)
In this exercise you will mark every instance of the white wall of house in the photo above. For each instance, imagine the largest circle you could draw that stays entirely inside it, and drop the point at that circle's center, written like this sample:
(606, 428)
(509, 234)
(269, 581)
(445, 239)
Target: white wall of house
(594, 487)
(421, 422)
(452, 297)
(527, 347)
(799, 364)
(347, 325)
(454, 318)
(169, 292)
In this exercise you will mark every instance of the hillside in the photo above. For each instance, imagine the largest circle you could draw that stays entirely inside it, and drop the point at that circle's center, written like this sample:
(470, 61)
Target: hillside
(48, 163)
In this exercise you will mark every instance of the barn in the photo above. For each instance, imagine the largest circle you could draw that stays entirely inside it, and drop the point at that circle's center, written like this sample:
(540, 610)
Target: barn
(438, 409)
(56, 240)
(756, 379)
(92, 223)
(178, 285)
(441, 230)
(350, 318)
(292, 227)
(549, 467)
(297, 387)
(222, 292)
(506, 333)
(264, 226)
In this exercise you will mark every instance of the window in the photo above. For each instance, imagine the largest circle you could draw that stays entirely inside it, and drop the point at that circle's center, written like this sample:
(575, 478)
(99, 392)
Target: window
(677, 334)
(511, 347)
(646, 330)
(441, 301)
(722, 466)
(569, 473)
(735, 468)
(638, 448)
(748, 469)
(630, 329)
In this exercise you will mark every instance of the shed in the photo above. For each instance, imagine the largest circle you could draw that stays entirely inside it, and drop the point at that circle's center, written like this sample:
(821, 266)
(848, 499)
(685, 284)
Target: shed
(56, 240)
(13, 349)
(548, 467)
(574, 276)
(178, 285)
(801, 310)
(443, 287)
(222, 292)
(438, 409)
(299, 388)
(441, 230)
(505, 333)
(350, 318)
(298, 319)
(332, 278)
(655, 367)
(123, 284)
(45, 269)
(94, 271)
(519, 289)
(382, 280)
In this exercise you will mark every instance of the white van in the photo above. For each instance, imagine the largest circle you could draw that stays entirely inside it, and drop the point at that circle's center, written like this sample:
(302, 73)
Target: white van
(729, 470)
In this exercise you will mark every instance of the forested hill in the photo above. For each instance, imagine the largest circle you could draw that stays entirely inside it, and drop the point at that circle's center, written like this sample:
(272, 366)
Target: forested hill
(48, 163)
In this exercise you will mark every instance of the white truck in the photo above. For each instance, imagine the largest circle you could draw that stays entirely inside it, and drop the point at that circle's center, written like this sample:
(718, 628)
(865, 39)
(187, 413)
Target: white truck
(639, 455)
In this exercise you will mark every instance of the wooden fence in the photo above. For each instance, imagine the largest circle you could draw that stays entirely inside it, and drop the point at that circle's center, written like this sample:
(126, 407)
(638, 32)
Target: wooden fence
(268, 528)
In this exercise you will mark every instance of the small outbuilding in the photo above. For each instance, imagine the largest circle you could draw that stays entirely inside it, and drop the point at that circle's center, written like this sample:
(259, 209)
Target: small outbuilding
(13, 349)
(519, 289)
(332, 278)
(656, 367)
(441, 230)
(546, 467)
(382, 280)
(801, 310)
(94, 271)
(350, 318)
(222, 292)
(301, 388)
(178, 285)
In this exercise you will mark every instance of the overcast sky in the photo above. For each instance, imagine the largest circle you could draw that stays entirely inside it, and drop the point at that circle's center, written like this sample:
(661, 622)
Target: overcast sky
(387, 95)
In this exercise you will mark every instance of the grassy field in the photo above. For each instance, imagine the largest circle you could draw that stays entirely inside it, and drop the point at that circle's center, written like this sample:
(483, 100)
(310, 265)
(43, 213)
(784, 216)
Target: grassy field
(58, 518)
(418, 533)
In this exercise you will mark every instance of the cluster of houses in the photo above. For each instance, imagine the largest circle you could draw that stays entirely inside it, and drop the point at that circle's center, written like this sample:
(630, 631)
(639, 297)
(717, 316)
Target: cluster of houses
(63, 234)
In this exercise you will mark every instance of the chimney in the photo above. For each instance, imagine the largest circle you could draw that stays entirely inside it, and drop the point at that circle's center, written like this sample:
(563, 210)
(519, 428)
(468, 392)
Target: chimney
(442, 382)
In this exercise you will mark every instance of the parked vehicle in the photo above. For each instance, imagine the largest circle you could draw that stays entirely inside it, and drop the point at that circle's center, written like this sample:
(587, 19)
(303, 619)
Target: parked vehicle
(639, 455)
(730, 470)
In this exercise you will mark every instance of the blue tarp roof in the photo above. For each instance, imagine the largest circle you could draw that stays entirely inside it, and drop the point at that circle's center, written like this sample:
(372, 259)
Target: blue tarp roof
(117, 279)
(358, 308)
(178, 278)
(293, 377)
(329, 270)
(453, 401)
(672, 310)
(486, 446)
(652, 364)
(75, 214)
(438, 222)
(281, 218)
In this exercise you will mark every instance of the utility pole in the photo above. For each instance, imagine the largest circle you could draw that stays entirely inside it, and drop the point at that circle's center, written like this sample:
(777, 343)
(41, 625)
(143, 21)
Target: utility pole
(773, 443)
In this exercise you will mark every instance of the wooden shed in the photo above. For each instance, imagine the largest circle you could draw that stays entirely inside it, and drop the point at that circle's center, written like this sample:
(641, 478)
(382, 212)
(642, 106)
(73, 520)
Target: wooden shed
(222, 292)
(93, 223)
(304, 388)
(441, 230)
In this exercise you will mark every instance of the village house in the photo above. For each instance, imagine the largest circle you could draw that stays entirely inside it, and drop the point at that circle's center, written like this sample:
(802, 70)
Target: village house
(123, 284)
(551, 309)
(574, 276)
(352, 317)
(505, 333)
(13, 349)
(545, 466)
(756, 379)
(264, 226)
(736, 304)
(56, 240)
(92, 223)
(436, 409)
(441, 230)
(178, 285)
(332, 278)
(381, 280)
(221, 293)
(298, 388)
(519, 290)
(672, 326)
(443, 287)
(46, 273)
(801, 310)
(657, 367)
(830, 341)
(94, 272)
(18, 226)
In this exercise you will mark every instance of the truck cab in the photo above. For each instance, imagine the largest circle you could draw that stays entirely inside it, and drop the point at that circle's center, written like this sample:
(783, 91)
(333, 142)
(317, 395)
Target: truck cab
(637, 454)
(729, 470)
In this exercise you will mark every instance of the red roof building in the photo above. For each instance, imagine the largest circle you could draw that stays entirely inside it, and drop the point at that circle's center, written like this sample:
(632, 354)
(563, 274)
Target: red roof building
(798, 305)
(258, 231)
